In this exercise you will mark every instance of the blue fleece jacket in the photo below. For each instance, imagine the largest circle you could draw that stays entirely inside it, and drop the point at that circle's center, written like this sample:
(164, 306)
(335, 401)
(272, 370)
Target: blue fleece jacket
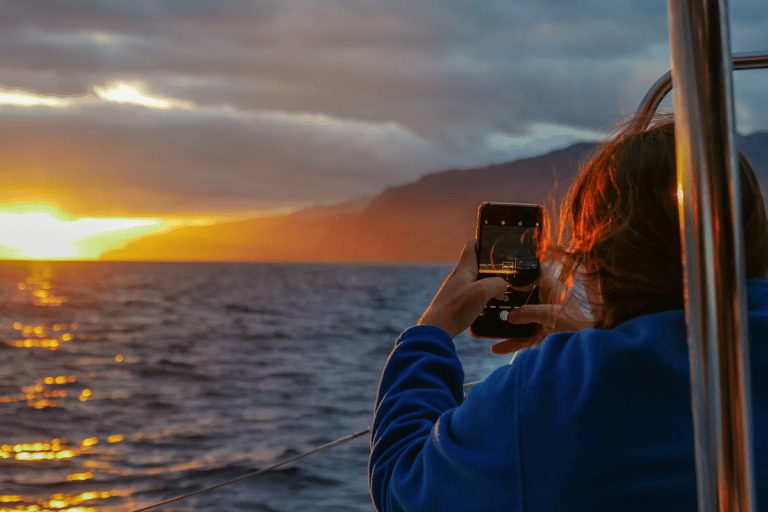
(594, 420)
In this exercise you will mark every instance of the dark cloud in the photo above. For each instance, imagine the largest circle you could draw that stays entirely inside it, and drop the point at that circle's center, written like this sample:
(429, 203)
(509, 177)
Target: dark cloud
(137, 17)
(407, 88)
(208, 158)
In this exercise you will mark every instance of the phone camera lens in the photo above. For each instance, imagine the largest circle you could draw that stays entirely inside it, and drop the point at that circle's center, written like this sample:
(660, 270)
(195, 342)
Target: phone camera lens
(529, 220)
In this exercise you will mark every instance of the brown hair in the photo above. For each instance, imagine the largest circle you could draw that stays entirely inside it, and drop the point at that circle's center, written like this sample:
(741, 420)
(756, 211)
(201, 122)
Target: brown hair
(620, 222)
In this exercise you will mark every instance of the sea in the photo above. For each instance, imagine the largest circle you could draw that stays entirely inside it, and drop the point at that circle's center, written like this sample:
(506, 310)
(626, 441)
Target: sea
(126, 384)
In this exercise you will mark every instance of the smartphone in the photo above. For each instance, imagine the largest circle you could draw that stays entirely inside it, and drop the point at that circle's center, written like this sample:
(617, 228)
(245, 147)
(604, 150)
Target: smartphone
(506, 242)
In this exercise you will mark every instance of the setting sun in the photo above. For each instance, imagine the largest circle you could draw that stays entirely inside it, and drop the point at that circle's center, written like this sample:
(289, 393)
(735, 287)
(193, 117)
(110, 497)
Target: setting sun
(40, 231)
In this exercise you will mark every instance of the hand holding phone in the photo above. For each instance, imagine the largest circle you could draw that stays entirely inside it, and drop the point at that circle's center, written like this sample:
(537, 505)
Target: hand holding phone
(462, 296)
(507, 238)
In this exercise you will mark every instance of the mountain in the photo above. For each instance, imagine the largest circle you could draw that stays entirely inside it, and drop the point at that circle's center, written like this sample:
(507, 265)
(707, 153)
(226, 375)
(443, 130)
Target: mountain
(424, 221)
(282, 238)
(430, 219)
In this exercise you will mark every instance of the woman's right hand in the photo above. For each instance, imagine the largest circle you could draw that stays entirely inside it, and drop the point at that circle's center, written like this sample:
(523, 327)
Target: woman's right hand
(462, 296)
(560, 310)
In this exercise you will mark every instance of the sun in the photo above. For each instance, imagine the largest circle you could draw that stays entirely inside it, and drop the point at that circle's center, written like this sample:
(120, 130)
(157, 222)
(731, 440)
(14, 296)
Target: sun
(43, 232)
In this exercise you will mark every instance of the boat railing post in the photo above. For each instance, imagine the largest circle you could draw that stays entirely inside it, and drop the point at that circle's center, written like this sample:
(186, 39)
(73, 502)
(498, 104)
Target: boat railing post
(713, 256)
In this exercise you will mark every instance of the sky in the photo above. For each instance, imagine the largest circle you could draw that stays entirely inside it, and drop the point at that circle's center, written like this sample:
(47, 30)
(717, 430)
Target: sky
(208, 109)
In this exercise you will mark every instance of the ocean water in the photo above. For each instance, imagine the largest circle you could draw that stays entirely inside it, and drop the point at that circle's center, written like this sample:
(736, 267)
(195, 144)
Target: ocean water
(125, 384)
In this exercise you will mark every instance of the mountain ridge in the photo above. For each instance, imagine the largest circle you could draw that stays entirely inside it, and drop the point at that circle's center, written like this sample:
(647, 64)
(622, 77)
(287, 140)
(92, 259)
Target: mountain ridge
(426, 220)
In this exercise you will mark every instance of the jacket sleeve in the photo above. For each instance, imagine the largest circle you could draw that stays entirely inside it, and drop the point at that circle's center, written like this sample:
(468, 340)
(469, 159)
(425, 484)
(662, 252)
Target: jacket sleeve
(431, 452)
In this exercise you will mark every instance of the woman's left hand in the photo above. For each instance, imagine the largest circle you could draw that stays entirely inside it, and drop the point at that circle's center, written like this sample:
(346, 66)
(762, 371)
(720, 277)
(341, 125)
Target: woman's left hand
(559, 311)
(462, 296)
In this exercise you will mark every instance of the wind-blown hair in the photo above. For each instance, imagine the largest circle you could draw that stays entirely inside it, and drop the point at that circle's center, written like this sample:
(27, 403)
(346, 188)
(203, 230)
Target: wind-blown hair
(620, 223)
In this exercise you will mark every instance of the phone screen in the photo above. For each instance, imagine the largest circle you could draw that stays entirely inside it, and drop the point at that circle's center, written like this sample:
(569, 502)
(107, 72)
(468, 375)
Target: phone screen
(507, 240)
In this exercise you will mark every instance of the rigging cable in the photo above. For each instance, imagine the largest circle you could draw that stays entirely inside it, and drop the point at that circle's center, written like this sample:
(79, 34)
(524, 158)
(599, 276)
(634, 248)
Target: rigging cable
(263, 470)
(252, 474)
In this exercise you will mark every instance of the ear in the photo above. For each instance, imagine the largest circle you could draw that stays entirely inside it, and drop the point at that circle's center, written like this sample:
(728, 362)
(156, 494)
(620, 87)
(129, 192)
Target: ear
(593, 290)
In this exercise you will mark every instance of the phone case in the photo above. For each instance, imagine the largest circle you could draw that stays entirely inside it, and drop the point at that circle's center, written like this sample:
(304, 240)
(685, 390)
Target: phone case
(506, 241)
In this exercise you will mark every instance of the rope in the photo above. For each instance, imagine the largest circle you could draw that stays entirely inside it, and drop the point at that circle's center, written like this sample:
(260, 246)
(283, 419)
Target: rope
(470, 385)
(264, 470)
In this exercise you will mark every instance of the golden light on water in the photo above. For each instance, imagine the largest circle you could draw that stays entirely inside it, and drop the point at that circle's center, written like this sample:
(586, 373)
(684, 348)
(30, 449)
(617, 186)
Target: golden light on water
(44, 393)
(38, 287)
(79, 464)
(58, 502)
(56, 450)
(41, 231)
(79, 476)
(40, 336)
(74, 463)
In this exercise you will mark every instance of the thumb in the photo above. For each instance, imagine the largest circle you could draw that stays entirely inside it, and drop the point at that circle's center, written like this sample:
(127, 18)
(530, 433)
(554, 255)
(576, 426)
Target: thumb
(532, 314)
(513, 344)
(467, 265)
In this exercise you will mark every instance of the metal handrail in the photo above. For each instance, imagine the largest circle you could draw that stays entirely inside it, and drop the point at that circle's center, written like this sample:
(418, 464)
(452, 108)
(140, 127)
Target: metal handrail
(663, 85)
(713, 256)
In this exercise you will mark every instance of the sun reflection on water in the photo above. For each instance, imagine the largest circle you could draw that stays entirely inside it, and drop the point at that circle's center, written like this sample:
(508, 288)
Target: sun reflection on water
(39, 336)
(82, 502)
(38, 288)
(57, 450)
(75, 466)
(41, 394)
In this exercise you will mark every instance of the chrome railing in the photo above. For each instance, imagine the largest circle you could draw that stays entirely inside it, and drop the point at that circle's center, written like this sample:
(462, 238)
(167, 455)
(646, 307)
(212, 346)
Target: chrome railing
(663, 85)
(710, 222)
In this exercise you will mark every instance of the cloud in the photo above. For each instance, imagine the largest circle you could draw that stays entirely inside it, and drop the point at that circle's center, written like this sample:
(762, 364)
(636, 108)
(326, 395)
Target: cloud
(242, 105)
(540, 138)
(210, 156)
(751, 108)
(22, 98)
(135, 92)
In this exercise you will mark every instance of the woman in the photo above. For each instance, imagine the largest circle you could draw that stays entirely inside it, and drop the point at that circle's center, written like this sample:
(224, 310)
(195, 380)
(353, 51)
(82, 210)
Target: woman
(598, 419)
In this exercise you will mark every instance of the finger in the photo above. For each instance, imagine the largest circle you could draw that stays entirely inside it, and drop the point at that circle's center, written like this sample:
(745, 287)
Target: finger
(549, 285)
(492, 287)
(533, 313)
(514, 344)
(467, 265)
(503, 347)
(478, 293)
